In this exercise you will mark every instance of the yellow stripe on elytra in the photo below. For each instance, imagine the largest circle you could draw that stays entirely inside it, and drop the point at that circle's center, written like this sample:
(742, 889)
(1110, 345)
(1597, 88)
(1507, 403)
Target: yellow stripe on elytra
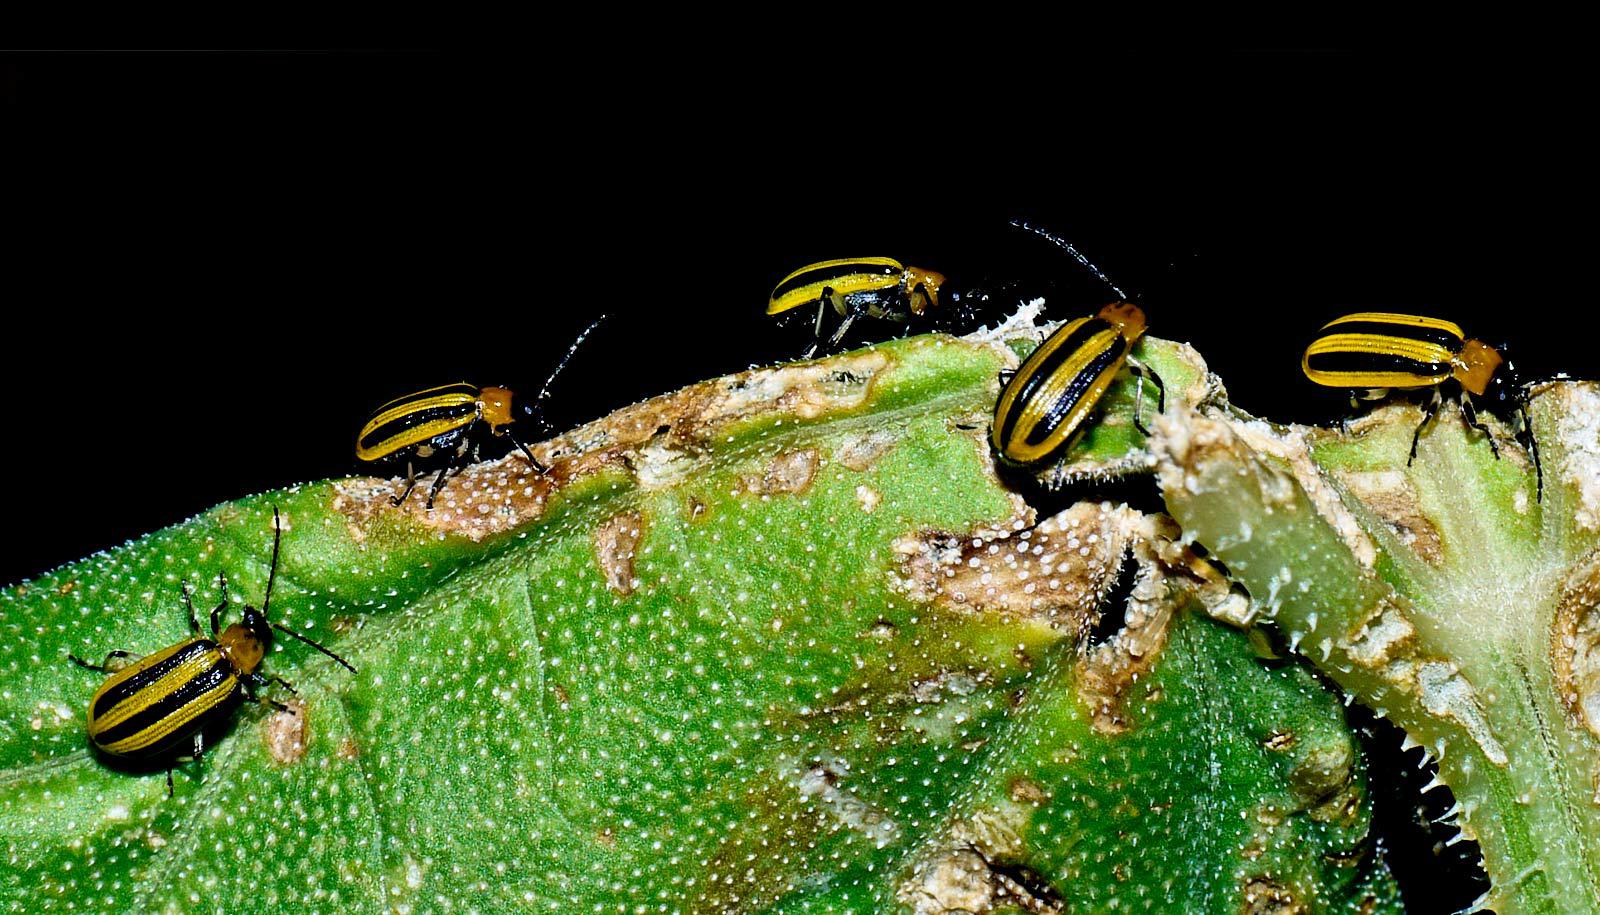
(1030, 366)
(389, 414)
(841, 262)
(151, 693)
(1380, 344)
(842, 285)
(1377, 344)
(1389, 317)
(181, 717)
(118, 678)
(1036, 410)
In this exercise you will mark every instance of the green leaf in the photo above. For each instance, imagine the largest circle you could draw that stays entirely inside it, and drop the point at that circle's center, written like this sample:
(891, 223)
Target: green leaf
(779, 642)
(1444, 595)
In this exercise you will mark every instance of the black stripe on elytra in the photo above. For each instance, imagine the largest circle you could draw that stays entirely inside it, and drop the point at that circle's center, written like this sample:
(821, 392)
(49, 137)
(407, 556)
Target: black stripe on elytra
(187, 692)
(1037, 377)
(1375, 362)
(1057, 414)
(1438, 336)
(124, 690)
(834, 272)
(399, 424)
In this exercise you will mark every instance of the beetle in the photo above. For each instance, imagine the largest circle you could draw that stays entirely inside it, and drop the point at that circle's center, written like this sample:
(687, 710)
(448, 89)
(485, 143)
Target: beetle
(1379, 351)
(444, 425)
(151, 707)
(876, 287)
(1043, 405)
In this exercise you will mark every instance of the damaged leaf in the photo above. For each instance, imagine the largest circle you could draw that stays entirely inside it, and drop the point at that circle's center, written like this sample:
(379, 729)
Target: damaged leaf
(1445, 596)
(778, 642)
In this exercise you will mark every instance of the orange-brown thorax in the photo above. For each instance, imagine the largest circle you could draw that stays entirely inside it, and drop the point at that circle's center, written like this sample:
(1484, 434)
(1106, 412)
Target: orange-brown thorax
(930, 281)
(1128, 318)
(241, 647)
(1475, 366)
(494, 405)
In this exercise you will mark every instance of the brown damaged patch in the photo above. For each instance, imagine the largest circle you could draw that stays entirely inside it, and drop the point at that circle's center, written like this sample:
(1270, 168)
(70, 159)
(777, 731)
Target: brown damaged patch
(615, 544)
(1263, 896)
(1390, 495)
(1575, 643)
(1576, 409)
(1280, 740)
(821, 784)
(1169, 575)
(1384, 636)
(861, 451)
(975, 869)
(1323, 781)
(868, 497)
(286, 733)
(1027, 791)
(697, 508)
(789, 472)
(1056, 572)
(657, 442)
(1108, 671)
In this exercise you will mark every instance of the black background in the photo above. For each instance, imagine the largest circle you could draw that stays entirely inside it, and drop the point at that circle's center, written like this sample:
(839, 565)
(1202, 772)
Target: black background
(218, 264)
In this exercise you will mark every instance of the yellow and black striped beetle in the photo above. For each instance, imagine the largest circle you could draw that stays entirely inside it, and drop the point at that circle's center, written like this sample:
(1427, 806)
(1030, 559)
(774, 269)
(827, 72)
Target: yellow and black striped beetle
(1379, 351)
(153, 706)
(875, 287)
(1042, 407)
(441, 426)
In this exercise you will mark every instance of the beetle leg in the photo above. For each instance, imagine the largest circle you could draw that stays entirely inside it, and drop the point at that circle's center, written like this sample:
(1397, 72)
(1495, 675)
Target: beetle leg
(844, 327)
(1532, 445)
(1140, 371)
(438, 484)
(541, 468)
(262, 700)
(1138, 407)
(1471, 416)
(260, 681)
(411, 483)
(816, 328)
(1137, 367)
(216, 612)
(105, 667)
(1428, 413)
(188, 603)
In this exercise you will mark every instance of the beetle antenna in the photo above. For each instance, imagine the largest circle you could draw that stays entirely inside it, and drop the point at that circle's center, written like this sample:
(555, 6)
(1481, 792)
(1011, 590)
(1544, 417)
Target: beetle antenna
(545, 391)
(282, 628)
(1076, 254)
(272, 570)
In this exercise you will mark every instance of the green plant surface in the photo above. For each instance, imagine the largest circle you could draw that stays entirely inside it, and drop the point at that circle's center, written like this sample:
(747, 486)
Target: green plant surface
(778, 642)
(1445, 595)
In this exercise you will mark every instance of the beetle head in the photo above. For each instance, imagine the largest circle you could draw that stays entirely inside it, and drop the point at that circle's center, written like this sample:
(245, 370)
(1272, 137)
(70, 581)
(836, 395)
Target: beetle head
(495, 406)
